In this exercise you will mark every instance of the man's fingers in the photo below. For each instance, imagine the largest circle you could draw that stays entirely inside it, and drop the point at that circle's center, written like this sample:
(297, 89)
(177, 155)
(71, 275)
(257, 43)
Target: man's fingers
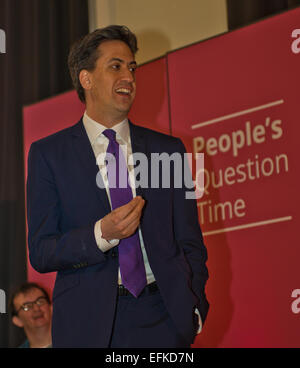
(129, 229)
(133, 216)
(136, 204)
(135, 213)
(132, 219)
(123, 221)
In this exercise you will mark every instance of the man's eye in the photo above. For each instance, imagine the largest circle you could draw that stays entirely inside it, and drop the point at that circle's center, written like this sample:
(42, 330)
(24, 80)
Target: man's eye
(116, 66)
(132, 69)
(27, 306)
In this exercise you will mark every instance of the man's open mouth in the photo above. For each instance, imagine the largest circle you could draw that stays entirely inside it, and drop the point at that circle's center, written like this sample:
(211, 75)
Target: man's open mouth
(124, 91)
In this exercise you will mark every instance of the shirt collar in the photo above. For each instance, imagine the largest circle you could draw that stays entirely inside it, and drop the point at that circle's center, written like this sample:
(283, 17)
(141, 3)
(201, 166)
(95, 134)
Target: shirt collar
(95, 129)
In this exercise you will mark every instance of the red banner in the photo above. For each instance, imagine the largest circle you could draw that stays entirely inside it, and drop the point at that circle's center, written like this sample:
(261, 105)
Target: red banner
(235, 98)
(150, 108)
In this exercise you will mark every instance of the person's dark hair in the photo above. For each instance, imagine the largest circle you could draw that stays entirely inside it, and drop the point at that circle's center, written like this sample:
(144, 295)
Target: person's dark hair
(23, 289)
(84, 52)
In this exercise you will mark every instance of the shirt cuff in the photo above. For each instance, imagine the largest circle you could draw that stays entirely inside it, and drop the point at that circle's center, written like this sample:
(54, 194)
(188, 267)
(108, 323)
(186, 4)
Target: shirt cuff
(103, 244)
(199, 321)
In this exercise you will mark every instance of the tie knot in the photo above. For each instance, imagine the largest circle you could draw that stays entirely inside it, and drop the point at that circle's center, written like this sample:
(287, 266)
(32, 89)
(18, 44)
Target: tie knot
(110, 134)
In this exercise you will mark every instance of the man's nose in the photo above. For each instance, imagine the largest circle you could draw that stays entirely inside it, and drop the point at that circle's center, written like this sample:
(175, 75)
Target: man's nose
(128, 76)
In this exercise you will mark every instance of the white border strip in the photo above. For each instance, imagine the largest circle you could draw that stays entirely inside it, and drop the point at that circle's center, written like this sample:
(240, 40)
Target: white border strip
(235, 114)
(246, 226)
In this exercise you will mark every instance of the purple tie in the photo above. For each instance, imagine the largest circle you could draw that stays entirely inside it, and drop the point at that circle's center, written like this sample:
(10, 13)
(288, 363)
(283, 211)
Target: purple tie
(131, 261)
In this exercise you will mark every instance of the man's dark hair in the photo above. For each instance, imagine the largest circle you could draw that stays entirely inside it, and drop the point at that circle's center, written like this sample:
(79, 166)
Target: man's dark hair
(84, 52)
(23, 289)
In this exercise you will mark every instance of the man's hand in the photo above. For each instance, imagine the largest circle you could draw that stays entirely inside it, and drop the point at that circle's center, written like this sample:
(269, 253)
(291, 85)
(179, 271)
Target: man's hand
(123, 221)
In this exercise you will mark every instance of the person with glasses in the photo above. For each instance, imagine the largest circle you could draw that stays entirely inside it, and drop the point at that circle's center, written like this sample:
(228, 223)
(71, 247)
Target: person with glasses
(31, 310)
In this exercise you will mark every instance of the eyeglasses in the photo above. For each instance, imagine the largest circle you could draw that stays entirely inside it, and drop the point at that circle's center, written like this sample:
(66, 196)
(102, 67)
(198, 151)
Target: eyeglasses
(42, 300)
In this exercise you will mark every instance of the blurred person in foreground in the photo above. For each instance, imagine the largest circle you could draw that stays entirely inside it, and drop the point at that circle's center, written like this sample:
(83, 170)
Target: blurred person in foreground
(31, 309)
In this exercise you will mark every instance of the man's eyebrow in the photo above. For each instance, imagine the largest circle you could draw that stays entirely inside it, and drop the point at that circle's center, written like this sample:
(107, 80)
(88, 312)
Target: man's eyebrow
(122, 61)
(35, 299)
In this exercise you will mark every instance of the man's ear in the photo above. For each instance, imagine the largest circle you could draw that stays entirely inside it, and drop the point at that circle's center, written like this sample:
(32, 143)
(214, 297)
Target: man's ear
(16, 321)
(85, 80)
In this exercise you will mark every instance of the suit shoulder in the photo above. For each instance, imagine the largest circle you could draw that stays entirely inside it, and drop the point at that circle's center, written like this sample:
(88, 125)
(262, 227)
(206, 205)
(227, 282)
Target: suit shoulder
(156, 136)
(56, 138)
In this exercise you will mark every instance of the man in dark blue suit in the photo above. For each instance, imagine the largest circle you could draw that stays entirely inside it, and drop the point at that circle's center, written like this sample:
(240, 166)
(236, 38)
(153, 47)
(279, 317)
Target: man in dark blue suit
(130, 258)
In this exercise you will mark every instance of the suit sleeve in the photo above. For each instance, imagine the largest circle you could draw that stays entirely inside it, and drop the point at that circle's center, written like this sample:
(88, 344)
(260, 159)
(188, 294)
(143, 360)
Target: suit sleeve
(189, 236)
(49, 248)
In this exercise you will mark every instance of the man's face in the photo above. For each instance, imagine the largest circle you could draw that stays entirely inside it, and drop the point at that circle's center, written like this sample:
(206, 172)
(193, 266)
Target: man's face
(111, 89)
(38, 316)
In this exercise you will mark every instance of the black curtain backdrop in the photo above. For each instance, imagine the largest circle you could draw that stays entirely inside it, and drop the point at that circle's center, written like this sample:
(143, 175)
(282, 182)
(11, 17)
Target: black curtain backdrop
(38, 36)
(243, 12)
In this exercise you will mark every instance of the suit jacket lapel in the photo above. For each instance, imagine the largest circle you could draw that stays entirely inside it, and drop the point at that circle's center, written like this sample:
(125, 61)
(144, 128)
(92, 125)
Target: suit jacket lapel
(139, 145)
(86, 158)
